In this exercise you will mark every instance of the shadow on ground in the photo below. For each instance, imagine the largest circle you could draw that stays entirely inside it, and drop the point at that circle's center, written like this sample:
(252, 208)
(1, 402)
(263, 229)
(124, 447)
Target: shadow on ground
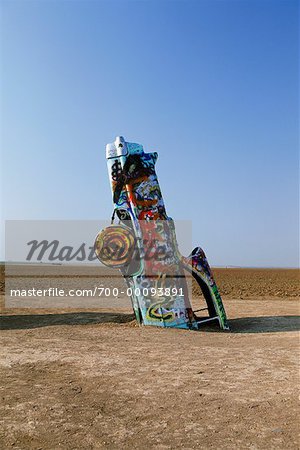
(21, 322)
(265, 324)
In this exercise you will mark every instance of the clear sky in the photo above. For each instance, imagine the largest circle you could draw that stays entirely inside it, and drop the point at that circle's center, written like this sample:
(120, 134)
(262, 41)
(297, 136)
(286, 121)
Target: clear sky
(211, 85)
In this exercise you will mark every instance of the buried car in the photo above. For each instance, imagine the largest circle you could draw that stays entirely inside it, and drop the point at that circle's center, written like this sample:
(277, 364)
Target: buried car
(143, 246)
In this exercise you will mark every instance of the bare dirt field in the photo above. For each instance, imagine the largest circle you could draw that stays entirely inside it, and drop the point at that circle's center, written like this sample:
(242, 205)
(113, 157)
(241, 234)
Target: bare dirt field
(89, 379)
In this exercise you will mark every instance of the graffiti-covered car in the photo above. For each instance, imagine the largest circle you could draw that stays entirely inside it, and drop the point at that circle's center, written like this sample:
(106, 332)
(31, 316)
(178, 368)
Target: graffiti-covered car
(143, 246)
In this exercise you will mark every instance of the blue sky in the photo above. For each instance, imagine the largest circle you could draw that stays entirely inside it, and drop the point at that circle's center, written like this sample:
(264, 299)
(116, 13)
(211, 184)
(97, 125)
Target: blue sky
(211, 85)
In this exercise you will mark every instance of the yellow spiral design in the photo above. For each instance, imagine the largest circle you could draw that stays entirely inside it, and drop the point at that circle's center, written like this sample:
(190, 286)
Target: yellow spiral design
(114, 245)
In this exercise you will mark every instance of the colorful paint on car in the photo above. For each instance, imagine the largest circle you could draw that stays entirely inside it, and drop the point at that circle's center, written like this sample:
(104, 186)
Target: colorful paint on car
(143, 245)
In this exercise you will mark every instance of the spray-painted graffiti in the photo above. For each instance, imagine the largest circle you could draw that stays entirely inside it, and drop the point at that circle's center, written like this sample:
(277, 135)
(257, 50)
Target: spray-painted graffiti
(198, 265)
(143, 245)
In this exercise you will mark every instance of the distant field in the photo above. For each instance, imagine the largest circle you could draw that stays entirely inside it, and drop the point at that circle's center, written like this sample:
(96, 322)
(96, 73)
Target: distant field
(232, 282)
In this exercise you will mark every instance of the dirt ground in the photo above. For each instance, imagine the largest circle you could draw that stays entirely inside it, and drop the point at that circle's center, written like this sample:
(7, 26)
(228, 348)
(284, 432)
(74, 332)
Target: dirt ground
(89, 379)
